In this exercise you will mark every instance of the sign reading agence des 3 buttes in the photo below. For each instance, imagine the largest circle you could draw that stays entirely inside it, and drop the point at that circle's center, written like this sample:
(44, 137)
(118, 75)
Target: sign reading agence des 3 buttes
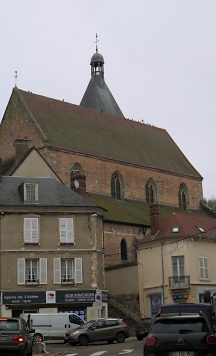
(61, 296)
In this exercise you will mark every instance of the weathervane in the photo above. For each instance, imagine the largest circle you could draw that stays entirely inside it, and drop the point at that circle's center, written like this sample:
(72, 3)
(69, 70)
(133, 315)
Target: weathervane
(96, 41)
(15, 77)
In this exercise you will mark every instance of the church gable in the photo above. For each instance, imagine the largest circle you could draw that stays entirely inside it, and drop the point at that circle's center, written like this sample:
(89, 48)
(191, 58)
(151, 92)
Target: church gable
(18, 124)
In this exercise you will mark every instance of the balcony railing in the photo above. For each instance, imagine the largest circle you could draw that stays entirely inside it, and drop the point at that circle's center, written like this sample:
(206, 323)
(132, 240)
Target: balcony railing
(179, 282)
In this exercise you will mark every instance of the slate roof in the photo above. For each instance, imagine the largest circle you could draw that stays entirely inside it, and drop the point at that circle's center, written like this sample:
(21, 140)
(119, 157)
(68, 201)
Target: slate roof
(98, 96)
(50, 193)
(88, 131)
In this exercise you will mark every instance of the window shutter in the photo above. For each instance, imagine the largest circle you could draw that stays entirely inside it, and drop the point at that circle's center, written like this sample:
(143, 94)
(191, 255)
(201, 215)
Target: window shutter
(57, 270)
(27, 230)
(35, 230)
(66, 230)
(78, 270)
(21, 271)
(43, 270)
(31, 230)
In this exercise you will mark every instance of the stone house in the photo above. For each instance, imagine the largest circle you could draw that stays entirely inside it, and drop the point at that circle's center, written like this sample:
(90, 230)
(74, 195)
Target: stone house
(50, 236)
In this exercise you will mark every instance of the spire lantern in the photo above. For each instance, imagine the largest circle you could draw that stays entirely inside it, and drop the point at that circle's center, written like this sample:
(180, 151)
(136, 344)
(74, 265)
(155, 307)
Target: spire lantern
(97, 62)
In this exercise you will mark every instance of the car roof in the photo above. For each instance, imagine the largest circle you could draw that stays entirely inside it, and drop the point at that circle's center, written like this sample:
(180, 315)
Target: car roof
(181, 316)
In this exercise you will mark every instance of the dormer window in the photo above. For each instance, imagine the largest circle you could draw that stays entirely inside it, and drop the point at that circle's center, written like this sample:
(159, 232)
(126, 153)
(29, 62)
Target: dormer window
(175, 229)
(200, 229)
(30, 192)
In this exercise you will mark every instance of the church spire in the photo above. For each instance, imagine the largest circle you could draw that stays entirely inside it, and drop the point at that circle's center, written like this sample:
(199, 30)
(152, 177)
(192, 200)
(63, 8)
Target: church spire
(97, 95)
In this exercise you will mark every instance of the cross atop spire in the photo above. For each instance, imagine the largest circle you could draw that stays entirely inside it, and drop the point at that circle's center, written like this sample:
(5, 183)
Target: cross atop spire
(15, 77)
(96, 42)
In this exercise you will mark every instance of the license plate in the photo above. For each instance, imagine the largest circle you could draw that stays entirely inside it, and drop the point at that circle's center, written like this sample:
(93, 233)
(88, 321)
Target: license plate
(3, 338)
(181, 353)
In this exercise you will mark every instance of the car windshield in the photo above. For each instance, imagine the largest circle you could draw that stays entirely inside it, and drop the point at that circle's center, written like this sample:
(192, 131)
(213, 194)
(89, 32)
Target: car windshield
(88, 324)
(10, 325)
(179, 326)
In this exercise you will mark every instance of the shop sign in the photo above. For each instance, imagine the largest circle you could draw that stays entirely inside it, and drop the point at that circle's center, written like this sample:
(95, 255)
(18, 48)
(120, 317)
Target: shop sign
(73, 296)
(16, 298)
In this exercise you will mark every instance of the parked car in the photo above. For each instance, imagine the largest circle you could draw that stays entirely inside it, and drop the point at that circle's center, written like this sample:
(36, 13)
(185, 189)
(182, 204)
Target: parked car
(180, 335)
(142, 328)
(109, 330)
(207, 308)
(15, 337)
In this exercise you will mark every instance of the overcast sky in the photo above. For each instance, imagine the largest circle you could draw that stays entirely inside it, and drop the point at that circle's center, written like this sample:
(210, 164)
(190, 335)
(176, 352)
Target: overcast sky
(160, 62)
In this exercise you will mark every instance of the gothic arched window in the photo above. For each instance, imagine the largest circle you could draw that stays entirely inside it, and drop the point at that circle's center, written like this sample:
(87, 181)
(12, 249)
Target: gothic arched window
(151, 192)
(123, 248)
(116, 186)
(183, 197)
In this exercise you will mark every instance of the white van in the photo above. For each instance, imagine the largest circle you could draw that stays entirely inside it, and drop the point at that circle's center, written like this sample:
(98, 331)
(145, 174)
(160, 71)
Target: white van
(52, 326)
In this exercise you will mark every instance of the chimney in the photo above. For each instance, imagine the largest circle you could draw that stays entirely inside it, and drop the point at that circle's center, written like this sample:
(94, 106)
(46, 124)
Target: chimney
(154, 219)
(21, 147)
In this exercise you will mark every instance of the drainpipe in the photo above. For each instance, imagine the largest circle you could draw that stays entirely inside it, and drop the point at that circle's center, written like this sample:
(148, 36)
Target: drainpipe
(162, 271)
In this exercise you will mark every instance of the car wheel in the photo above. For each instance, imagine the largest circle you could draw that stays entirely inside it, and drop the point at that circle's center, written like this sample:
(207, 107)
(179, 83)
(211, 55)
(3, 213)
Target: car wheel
(72, 343)
(38, 338)
(29, 353)
(120, 337)
(23, 353)
(83, 340)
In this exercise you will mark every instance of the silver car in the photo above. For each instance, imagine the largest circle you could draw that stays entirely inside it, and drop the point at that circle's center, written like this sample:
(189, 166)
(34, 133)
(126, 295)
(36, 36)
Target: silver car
(109, 330)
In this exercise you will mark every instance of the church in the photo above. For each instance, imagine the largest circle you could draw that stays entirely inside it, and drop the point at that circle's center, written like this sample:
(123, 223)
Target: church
(118, 164)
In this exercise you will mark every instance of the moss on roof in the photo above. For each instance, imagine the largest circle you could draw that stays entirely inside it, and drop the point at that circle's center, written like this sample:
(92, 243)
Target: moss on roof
(99, 134)
(134, 211)
(122, 211)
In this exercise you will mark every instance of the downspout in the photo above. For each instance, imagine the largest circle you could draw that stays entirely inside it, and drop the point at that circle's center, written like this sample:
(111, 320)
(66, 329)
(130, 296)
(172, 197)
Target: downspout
(162, 272)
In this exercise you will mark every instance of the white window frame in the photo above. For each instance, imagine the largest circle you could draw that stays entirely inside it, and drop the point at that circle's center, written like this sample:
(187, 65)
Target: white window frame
(41, 271)
(78, 271)
(67, 270)
(203, 267)
(180, 267)
(30, 192)
(66, 230)
(31, 230)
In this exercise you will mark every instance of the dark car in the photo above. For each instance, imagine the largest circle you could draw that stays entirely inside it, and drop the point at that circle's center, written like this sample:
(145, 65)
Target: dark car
(15, 338)
(207, 308)
(142, 328)
(180, 335)
(109, 330)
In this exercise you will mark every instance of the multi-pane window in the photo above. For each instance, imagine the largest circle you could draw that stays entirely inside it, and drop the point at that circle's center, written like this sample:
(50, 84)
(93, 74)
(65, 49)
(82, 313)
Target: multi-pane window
(151, 192)
(66, 229)
(32, 271)
(30, 192)
(67, 270)
(116, 186)
(178, 266)
(31, 230)
(203, 267)
(183, 197)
